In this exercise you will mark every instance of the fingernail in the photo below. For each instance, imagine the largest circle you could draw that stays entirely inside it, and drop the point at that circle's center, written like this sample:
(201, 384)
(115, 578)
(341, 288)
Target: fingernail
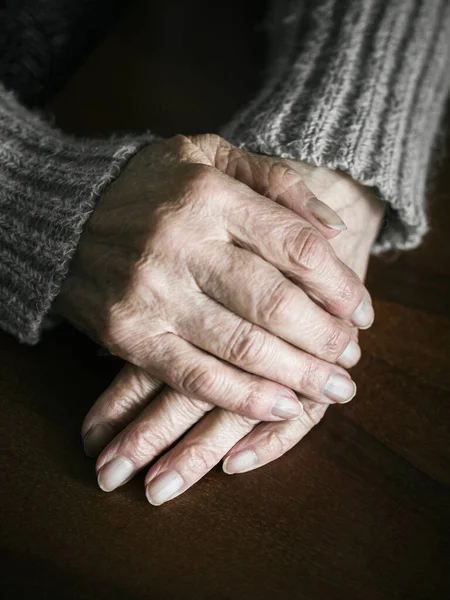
(287, 408)
(96, 439)
(115, 473)
(325, 214)
(364, 315)
(240, 462)
(340, 388)
(350, 356)
(163, 487)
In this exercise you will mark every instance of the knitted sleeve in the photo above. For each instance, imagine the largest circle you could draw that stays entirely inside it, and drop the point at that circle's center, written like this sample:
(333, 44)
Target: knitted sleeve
(358, 86)
(49, 183)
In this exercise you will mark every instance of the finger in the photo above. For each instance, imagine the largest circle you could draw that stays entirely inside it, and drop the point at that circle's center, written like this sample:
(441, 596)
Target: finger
(193, 372)
(119, 404)
(256, 291)
(274, 178)
(167, 418)
(299, 251)
(253, 349)
(195, 455)
(268, 441)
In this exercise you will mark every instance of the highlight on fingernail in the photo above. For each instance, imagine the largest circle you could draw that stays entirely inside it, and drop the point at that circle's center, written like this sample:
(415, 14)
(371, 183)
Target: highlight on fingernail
(364, 315)
(350, 356)
(340, 388)
(164, 487)
(287, 408)
(243, 461)
(323, 213)
(115, 473)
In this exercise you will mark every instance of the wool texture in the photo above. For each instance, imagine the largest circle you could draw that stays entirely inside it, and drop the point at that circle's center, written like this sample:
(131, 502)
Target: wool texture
(49, 183)
(360, 86)
(356, 85)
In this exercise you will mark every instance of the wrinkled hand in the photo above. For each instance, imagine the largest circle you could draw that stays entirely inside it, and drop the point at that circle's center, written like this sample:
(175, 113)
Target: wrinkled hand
(220, 433)
(187, 270)
(162, 416)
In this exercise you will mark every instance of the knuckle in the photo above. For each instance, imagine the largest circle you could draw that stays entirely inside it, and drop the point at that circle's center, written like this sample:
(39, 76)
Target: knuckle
(199, 406)
(313, 414)
(198, 459)
(310, 377)
(306, 249)
(180, 141)
(132, 387)
(117, 335)
(213, 140)
(183, 148)
(123, 335)
(281, 170)
(228, 158)
(346, 294)
(126, 404)
(199, 381)
(251, 403)
(275, 443)
(247, 345)
(280, 177)
(276, 304)
(140, 444)
(335, 342)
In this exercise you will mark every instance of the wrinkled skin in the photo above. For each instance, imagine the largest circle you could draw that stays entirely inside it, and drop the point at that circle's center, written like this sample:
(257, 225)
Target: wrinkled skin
(200, 270)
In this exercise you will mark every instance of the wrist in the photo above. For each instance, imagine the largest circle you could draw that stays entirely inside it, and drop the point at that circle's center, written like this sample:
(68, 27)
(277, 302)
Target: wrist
(79, 298)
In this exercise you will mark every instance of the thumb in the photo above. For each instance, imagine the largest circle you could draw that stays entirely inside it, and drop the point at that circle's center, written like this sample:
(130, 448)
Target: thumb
(275, 179)
(270, 176)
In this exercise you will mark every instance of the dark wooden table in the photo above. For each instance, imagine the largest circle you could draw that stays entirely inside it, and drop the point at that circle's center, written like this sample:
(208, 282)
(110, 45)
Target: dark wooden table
(359, 510)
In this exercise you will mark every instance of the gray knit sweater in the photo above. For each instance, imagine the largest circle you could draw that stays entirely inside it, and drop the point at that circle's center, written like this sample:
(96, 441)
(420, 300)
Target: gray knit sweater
(358, 85)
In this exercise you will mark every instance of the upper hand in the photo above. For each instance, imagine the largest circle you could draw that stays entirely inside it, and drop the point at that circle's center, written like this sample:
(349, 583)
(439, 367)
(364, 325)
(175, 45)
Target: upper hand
(215, 289)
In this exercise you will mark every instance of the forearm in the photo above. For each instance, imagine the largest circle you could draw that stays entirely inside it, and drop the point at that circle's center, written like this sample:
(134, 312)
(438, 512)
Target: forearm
(49, 184)
(361, 87)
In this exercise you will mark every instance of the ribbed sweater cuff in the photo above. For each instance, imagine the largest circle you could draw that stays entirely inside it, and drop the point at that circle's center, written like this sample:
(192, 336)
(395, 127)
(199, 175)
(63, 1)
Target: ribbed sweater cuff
(49, 183)
(361, 87)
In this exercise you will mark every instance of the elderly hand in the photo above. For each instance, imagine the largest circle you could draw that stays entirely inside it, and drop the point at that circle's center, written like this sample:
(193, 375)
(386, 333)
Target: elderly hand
(162, 416)
(220, 433)
(187, 270)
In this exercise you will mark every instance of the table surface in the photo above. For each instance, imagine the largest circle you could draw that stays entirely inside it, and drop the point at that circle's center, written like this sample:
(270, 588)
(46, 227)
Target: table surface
(358, 510)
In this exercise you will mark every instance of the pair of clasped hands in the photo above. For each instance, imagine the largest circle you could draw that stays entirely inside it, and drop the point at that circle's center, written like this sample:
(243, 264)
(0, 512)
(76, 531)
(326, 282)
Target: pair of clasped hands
(209, 270)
